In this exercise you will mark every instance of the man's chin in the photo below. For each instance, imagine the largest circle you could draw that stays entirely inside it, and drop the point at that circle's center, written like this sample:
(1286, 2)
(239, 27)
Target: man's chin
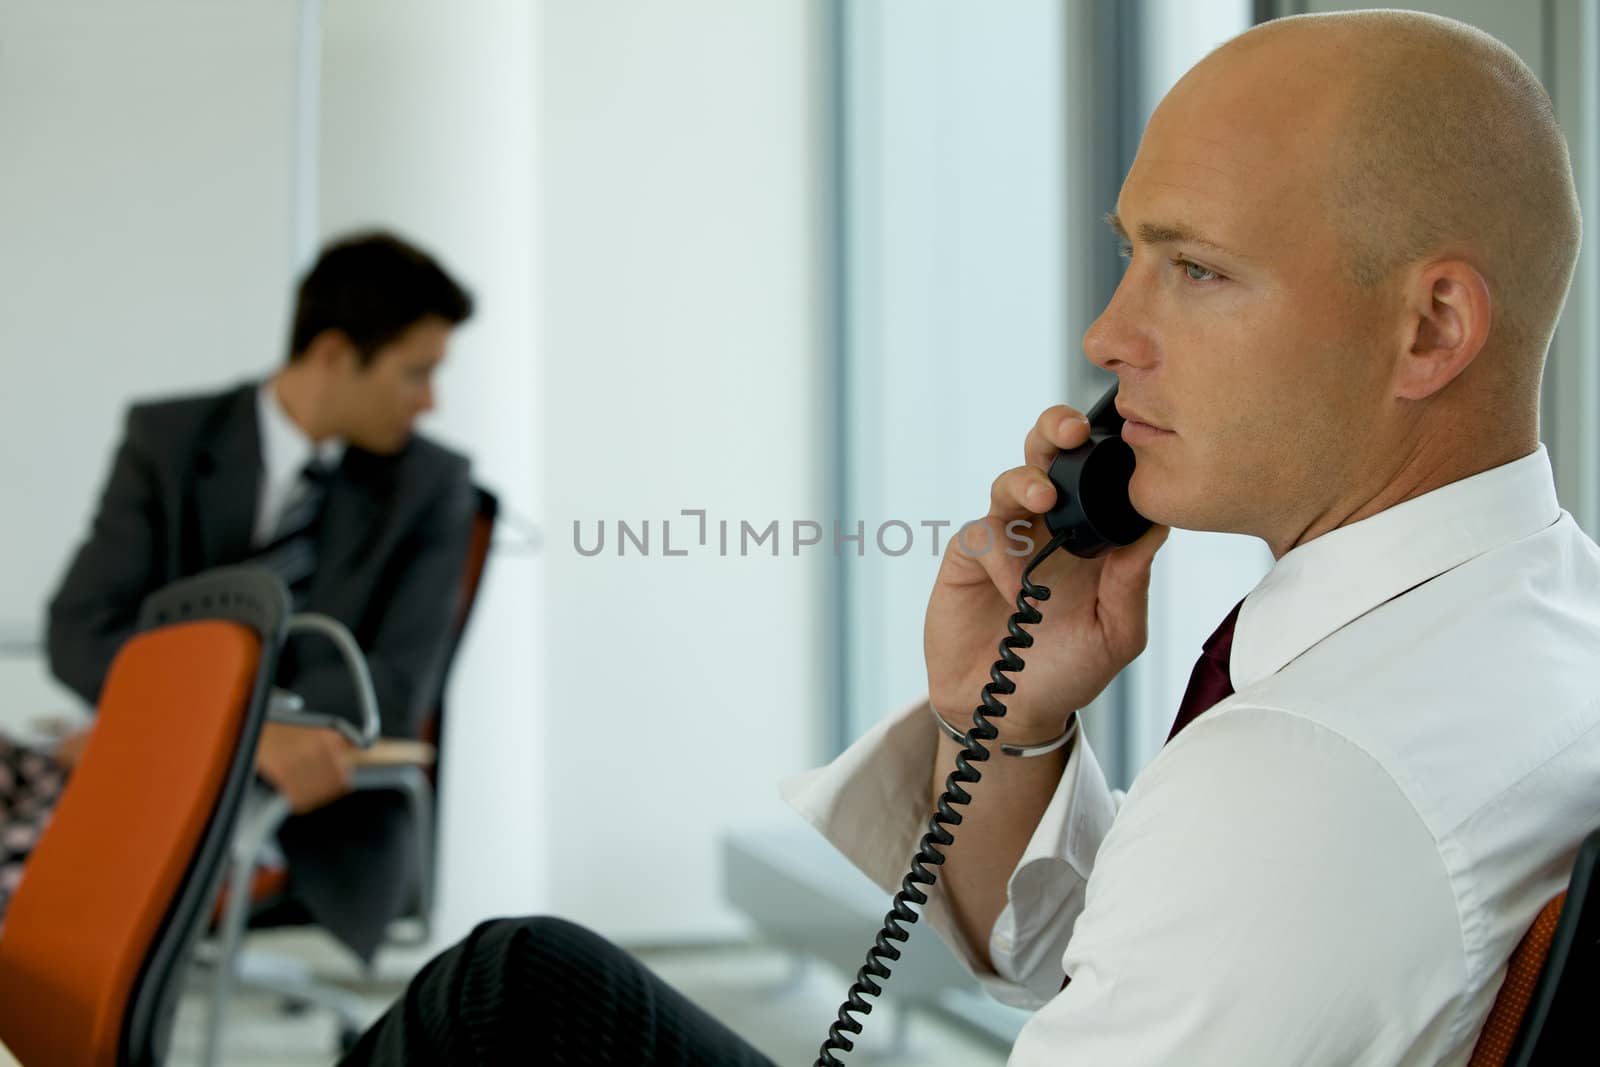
(384, 446)
(1146, 493)
(1181, 511)
(1155, 498)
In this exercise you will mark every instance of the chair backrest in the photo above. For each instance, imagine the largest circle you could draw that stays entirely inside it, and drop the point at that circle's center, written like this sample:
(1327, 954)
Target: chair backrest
(485, 513)
(100, 928)
(1546, 1003)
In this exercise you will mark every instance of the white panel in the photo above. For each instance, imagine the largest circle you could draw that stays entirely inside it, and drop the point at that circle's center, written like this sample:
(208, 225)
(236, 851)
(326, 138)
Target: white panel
(144, 217)
(429, 122)
(679, 172)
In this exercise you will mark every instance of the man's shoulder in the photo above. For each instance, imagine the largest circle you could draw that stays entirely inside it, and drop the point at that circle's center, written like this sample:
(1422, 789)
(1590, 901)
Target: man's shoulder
(185, 415)
(1436, 669)
(425, 475)
(424, 454)
(1473, 694)
(424, 468)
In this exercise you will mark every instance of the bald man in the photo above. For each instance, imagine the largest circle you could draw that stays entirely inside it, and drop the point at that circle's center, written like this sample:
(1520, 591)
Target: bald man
(1349, 238)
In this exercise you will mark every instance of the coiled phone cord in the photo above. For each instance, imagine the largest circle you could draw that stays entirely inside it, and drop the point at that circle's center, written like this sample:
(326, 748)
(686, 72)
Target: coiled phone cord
(937, 837)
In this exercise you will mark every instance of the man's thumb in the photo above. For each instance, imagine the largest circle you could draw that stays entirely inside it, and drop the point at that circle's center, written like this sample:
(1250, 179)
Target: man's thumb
(1127, 570)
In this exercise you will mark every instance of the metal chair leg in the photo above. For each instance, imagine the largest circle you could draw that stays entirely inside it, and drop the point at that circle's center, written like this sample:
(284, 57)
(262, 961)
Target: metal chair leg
(420, 798)
(265, 812)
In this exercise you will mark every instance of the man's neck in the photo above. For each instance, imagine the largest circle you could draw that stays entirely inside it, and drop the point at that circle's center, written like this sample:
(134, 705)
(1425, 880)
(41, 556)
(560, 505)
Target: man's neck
(297, 395)
(1423, 470)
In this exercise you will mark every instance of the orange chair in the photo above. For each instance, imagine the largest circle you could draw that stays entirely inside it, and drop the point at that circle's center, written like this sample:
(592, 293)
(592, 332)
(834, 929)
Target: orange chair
(98, 935)
(1543, 1014)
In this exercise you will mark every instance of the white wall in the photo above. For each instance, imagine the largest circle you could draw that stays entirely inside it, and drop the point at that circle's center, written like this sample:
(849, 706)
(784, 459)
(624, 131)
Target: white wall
(429, 126)
(658, 164)
(144, 249)
(678, 170)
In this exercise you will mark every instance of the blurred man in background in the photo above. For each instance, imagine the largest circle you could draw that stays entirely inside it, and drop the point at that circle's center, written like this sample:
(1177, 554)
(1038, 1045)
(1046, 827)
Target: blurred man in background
(316, 474)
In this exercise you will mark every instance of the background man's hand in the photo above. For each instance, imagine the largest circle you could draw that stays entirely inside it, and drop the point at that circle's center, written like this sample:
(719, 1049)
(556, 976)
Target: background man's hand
(1094, 623)
(309, 765)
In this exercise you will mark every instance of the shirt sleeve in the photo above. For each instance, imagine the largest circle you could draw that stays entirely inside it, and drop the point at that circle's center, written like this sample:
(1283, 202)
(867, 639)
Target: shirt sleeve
(871, 803)
(1267, 896)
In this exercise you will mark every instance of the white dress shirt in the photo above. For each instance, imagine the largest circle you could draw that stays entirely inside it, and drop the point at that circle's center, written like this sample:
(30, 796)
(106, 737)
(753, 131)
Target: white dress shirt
(285, 451)
(1332, 866)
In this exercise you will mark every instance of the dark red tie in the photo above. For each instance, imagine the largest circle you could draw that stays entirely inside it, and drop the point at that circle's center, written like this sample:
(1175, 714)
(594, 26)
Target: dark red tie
(1209, 682)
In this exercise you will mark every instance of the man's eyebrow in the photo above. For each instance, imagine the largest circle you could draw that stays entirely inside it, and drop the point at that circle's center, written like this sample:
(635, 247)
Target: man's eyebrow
(1169, 233)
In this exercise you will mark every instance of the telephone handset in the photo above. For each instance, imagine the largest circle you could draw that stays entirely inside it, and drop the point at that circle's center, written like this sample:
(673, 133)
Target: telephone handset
(1092, 515)
(1092, 509)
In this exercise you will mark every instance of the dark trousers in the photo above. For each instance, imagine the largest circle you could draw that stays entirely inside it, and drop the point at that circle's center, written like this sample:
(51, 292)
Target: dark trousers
(545, 991)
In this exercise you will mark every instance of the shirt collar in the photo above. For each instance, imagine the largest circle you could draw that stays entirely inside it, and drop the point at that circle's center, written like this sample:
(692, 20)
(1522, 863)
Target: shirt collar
(1318, 587)
(285, 448)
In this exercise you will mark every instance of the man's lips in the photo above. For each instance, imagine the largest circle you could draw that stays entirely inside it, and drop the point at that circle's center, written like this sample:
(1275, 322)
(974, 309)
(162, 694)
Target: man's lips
(1134, 417)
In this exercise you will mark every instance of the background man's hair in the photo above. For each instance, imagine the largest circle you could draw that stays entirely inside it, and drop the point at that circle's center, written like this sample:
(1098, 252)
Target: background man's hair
(372, 287)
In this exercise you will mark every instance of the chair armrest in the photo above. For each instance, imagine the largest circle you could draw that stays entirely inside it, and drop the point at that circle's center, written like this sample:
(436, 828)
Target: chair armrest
(397, 752)
(287, 707)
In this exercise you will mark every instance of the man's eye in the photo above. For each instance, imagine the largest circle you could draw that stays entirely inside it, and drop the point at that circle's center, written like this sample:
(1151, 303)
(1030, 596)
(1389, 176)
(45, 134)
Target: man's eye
(1195, 271)
(1125, 251)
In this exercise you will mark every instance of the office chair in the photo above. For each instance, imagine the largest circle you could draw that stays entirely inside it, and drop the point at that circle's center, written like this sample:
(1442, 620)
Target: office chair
(264, 813)
(414, 775)
(99, 932)
(419, 782)
(1543, 1013)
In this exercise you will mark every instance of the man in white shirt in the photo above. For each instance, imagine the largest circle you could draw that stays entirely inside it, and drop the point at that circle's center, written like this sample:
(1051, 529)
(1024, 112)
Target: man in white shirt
(1350, 238)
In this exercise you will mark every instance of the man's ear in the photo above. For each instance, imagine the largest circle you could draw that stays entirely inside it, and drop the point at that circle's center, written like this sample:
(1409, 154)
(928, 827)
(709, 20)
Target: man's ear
(330, 350)
(1447, 322)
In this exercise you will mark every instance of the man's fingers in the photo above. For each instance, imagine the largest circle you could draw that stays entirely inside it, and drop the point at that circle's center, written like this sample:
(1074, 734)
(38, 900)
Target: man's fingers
(1021, 492)
(1058, 428)
(998, 549)
(337, 763)
(1126, 577)
(310, 766)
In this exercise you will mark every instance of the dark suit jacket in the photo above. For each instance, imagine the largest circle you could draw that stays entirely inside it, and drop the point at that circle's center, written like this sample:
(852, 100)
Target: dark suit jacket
(180, 499)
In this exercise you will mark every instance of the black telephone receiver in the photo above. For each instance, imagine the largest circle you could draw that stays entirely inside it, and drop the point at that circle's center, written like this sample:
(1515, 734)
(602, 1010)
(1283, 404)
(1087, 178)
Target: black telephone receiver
(1092, 515)
(1092, 509)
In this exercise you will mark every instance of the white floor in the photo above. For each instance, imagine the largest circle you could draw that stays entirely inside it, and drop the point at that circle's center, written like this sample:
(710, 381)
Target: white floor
(755, 990)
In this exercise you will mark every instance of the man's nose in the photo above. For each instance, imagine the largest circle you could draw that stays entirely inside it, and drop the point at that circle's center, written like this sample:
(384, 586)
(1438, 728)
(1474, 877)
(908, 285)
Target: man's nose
(1120, 337)
(425, 403)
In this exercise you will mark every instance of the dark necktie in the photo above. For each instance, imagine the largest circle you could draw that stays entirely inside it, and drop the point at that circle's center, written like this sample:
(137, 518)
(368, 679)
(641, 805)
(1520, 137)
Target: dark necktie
(1209, 681)
(292, 552)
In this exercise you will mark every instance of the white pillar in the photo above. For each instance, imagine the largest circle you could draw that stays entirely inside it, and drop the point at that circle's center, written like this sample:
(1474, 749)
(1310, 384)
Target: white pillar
(429, 115)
